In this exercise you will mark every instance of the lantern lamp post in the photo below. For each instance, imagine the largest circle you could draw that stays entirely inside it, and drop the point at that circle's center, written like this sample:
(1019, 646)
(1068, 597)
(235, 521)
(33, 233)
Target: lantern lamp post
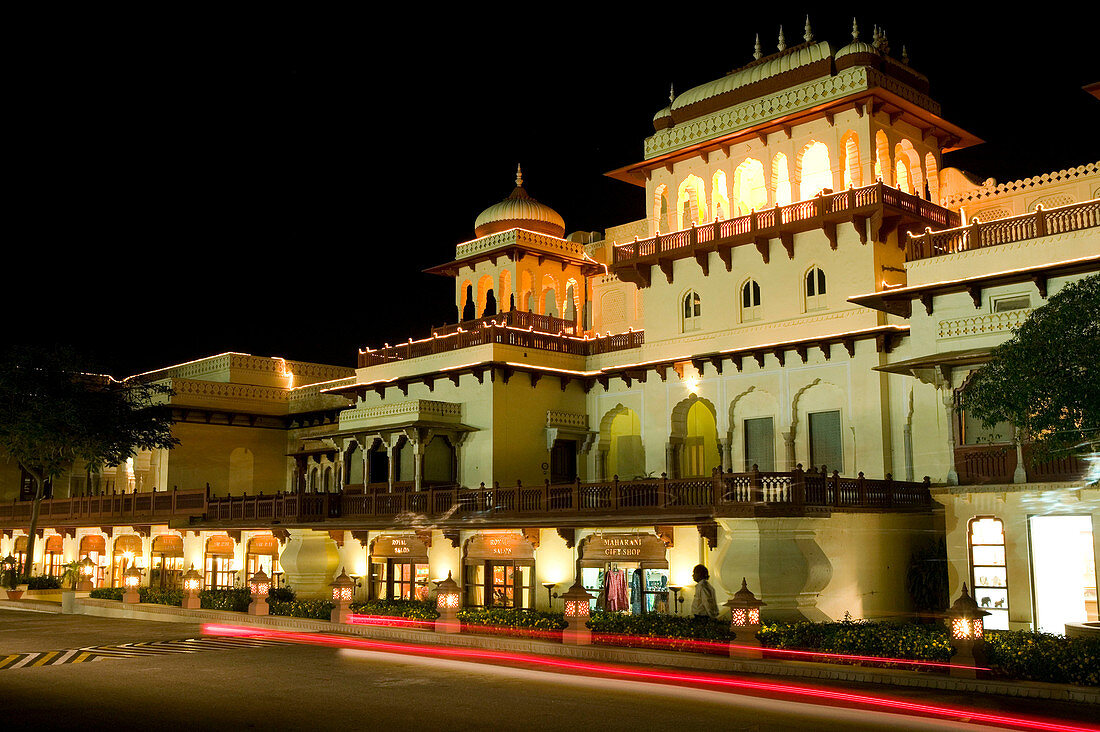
(968, 636)
(343, 592)
(87, 571)
(131, 580)
(448, 599)
(745, 622)
(258, 586)
(192, 583)
(577, 612)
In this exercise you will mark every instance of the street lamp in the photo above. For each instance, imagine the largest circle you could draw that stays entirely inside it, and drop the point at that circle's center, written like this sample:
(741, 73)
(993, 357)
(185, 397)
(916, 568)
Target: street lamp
(259, 586)
(745, 622)
(550, 595)
(192, 583)
(576, 614)
(343, 591)
(677, 601)
(87, 571)
(448, 598)
(968, 634)
(131, 580)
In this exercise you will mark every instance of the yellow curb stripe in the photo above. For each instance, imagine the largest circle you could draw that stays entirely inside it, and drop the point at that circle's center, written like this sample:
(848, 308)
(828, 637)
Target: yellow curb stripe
(46, 659)
(9, 659)
(82, 657)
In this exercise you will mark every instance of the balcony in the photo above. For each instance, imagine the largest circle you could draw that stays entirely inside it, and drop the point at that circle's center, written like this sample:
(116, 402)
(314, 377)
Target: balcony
(996, 465)
(516, 319)
(1061, 220)
(107, 509)
(493, 332)
(794, 493)
(885, 208)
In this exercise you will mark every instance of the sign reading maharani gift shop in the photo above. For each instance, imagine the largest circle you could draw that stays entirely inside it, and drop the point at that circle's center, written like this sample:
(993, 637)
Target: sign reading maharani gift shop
(645, 549)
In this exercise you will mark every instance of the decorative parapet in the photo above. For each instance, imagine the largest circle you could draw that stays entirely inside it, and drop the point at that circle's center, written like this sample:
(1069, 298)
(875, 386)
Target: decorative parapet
(981, 324)
(775, 106)
(1024, 184)
(223, 367)
(519, 237)
(566, 420)
(413, 410)
(221, 390)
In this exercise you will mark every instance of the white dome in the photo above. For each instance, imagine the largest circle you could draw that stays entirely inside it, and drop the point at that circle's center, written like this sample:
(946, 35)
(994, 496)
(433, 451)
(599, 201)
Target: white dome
(520, 211)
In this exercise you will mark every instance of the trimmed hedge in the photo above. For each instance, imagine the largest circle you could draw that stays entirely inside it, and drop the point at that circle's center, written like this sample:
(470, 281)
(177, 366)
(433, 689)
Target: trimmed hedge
(1030, 656)
(43, 582)
(657, 625)
(313, 609)
(500, 617)
(863, 638)
(416, 609)
(106, 593)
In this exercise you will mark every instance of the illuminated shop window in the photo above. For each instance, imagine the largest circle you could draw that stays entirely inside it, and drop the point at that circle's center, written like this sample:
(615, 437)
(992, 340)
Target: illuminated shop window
(988, 571)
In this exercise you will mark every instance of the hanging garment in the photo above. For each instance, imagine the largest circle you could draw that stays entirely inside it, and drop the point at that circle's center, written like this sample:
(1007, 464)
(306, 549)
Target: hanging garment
(617, 595)
(637, 592)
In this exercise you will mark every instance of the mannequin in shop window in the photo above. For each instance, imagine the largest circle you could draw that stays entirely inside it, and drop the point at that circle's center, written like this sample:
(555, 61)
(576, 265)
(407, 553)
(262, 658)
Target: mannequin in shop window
(705, 604)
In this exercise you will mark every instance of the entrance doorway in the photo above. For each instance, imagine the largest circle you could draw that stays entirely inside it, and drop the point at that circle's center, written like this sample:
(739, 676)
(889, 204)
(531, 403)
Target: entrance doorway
(1063, 571)
(563, 461)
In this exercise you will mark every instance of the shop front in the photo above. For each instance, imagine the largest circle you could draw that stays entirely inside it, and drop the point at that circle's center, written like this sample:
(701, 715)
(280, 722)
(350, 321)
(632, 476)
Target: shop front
(127, 549)
(94, 547)
(399, 568)
(499, 571)
(166, 568)
(263, 553)
(219, 571)
(53, 560)
(626, 572)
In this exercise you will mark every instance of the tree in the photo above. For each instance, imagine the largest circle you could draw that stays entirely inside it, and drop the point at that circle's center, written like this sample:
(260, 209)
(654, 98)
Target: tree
(1045, 380)
(54, 415)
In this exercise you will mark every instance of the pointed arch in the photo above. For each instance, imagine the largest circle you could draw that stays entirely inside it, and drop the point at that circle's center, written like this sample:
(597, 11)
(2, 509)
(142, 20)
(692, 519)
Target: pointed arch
(719, 196)
(932, 175)
(781, 180)
(695, 432)
(466, 304)
(621, 448)
(504, 301)
(691, 202)
(550, 299)
(907, 163)
(750, 190)
(883, 170)
(484, 290)
(526, 290)
(662, 219)
(852, 176)
(572, 307)
(814, 170)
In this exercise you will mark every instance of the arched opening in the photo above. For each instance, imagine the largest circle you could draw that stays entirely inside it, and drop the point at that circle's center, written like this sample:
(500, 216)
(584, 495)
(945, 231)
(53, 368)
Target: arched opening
(750, 192)
(815, 289)
(353, 465)
(572, 301)
(53, 560)
(719, 196)
(853, 172)
(695, 422)
(126, 549)
(662, 221)
(692, 311)
(932, 178)
(781, 180)
(883, 169)
(469, 309)
(549, 297)
(750, 301)
(378, 464)
(621, 448)
(507, 297)
(914, 181)
(484, 292)
(93, 547)
(166, 567)
(815, 169)
(218, 570)
(263, 553)
(691, 202)
(327, 483)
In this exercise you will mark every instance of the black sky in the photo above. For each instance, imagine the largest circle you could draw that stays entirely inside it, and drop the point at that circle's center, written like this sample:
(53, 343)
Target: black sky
(275, 184)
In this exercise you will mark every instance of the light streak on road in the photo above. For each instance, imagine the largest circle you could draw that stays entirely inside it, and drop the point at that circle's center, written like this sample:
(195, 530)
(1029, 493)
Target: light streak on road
(666, 678)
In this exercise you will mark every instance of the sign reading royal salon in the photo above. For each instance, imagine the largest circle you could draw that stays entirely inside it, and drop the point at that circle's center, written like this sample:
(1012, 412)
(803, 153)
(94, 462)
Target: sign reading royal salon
(600, 549)
(400, 546)
(499, 546)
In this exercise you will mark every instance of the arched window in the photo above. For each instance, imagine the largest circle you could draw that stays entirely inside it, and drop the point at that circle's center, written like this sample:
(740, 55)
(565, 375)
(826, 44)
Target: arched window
(853, 173)
(719, 196)
(781, 180)
(469, 310)
(692, 310)
(816, 170)
(749, 190)
(815, 289)
(750, 301)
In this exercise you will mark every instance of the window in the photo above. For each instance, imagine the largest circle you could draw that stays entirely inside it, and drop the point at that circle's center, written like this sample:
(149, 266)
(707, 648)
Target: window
(759, 444)
(825, 444)
(692, 310)
(988, 573)
(750, 301)
(1012, 302)
(815, 289)
(508, 584)
(397, 579)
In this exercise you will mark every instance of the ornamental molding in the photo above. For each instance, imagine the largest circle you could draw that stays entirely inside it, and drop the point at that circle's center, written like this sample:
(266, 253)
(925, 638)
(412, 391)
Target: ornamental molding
(1081, 172)
(222, 390)
(567, 420)
(998, 250)
(519, 237)
(981, 324)
(412, 410)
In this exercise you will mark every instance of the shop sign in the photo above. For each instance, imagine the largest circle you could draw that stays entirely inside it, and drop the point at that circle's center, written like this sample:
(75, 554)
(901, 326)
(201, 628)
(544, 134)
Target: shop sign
(600, 548)
(404, 545)
(499, 546)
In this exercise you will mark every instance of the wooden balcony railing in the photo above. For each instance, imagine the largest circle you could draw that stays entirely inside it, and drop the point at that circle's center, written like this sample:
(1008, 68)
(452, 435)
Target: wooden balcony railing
(996, 464)
(108, 508)
(1041, 222)
(516, 319)
(723, 494)
(775, 222)
(503, 334)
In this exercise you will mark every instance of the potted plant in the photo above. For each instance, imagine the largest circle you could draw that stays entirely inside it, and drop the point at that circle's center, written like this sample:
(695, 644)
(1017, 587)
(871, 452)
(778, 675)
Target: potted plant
(10, 572)
(69, 579)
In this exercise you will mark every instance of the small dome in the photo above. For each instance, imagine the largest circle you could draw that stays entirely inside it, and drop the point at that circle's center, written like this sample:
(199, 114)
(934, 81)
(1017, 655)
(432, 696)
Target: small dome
(856, 47)
(520, 211)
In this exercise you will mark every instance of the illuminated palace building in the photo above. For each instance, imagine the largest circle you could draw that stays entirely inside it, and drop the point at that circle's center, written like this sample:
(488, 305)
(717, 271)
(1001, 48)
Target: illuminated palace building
(759, 375)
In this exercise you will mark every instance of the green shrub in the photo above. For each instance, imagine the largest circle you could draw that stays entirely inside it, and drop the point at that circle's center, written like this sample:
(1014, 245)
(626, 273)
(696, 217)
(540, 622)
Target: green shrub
(1023, 654)
(158, 596)
(106, 593)
(235, 600)
(500, 617)
(44, 582)
(862, 638)
(314, 609)
(658, 625)
(418, 609)
(280, 594)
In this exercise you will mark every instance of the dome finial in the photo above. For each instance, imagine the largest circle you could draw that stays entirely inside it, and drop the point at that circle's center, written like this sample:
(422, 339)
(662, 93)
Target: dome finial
(671, 93)
(904, 55)
(757, 52)
(782, 40)
(519, 175)
(808, 36)
(855, 30)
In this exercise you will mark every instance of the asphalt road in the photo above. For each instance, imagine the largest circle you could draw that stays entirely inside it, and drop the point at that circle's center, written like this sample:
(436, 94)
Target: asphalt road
(307, 687)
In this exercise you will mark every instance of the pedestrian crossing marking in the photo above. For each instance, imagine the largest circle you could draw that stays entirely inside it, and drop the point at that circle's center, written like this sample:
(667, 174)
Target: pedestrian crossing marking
(131, 650)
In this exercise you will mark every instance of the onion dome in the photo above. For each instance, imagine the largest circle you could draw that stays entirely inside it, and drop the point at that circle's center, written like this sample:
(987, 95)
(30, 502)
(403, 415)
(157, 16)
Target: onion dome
(856, 46)
(520, 211)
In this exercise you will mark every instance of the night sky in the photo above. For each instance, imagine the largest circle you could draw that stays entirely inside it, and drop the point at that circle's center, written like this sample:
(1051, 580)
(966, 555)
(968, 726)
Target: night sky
(275, 184)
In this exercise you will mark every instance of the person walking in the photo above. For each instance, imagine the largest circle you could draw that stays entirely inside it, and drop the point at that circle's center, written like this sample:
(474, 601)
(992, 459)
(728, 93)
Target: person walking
(705, 602)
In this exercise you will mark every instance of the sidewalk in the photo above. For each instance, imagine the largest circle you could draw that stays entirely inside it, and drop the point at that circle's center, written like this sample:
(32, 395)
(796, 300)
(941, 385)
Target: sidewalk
(596, 653)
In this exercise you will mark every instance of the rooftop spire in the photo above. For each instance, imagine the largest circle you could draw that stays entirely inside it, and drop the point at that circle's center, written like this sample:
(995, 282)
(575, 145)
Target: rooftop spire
(782, 40)
(671, 93)
(904, 55)
(757, 52)
(855, 30)
(519, 175)
(808, 36)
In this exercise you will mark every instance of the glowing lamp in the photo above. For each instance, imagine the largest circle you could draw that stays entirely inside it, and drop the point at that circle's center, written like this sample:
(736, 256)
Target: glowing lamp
(259, 586)
(131, 580)
(448, 599)
(87, 571)
(744, 622)
(967, 622)
(577, 601)
(343, 591)
(192, 584)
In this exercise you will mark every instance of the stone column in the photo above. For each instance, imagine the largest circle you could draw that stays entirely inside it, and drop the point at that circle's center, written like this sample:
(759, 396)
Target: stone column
(725, 449)
(309, 562)
(788, 445)
(949, 406)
